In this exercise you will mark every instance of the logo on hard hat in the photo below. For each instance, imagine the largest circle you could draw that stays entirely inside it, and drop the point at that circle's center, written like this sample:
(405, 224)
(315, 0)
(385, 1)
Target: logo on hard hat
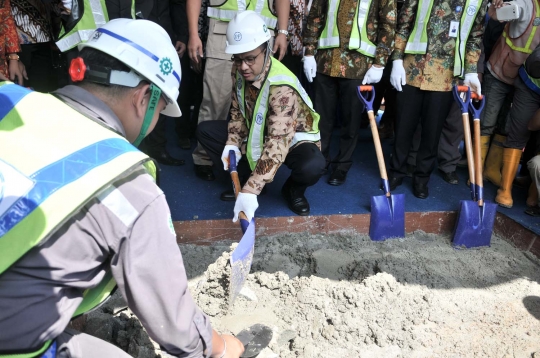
(259, 118)
(165, 66)
(536, 21)
(265, 28)
(237, 36)
(471, 10)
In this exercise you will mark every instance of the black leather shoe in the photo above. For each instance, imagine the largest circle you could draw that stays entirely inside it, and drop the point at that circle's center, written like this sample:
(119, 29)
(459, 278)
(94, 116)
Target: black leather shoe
(296, 201)
(204, 172)
(450, 178)
(228, 195)
(394, 183)
(184, 143)
(420, 191)
(338, 177)
(163, 157)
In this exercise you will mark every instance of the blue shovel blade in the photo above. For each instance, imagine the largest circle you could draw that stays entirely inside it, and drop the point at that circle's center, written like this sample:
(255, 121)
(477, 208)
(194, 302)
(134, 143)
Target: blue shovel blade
(387, 217)
(241, 260)
(474, 226)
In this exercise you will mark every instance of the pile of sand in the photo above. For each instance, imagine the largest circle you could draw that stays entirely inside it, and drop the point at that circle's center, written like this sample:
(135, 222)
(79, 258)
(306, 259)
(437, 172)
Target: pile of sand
(342, 295)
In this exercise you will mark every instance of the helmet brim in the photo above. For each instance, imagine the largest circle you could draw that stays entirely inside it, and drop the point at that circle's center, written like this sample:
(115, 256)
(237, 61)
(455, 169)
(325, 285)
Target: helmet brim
(238, 49)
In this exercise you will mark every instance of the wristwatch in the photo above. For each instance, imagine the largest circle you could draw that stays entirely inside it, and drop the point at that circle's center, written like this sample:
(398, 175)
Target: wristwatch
(284, 32)
(13, 56)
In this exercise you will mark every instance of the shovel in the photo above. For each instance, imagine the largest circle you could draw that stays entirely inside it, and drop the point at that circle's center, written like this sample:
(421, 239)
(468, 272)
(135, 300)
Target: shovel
(474, 226)
(242, 256)
(387, 211)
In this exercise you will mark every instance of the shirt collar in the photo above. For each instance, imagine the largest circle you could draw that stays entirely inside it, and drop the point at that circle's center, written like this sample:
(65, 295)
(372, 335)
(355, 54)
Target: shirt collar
(86, 103)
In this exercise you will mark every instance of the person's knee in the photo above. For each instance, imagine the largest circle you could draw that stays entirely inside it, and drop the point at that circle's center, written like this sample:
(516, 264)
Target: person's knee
(534, 165)
(313, 164)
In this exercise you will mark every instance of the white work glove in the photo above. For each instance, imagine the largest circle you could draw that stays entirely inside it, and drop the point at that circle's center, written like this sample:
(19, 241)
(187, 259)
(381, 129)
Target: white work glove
(310, 67)
(247, 203)
(472, 80)
(373, 75)
(397, 77)
(225, 155)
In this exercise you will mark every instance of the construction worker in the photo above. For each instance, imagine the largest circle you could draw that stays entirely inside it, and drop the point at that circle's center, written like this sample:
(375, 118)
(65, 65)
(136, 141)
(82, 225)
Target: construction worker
(342, 52)
(79, 205)
(526, 103)
(82, 17)
(519, 38)
(217, 85)
(437, 43)
(270, 110)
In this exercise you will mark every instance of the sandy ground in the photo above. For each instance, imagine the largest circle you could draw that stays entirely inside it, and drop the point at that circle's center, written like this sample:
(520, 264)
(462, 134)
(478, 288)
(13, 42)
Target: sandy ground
(342, 295)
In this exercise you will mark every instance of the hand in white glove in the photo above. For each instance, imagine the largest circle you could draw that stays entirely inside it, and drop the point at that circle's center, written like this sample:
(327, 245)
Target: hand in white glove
(373, 75)
(397, 77)
(310, 67)
(471, 80)
(225, 155)
(247, 203)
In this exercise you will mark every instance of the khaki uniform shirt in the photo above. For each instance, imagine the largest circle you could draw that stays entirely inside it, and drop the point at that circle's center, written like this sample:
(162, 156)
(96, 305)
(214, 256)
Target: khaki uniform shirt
(287, 114)
(41, 291)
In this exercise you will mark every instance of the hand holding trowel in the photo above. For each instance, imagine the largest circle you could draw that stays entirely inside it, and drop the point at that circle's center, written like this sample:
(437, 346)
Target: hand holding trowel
(242, 256)
(387, 218)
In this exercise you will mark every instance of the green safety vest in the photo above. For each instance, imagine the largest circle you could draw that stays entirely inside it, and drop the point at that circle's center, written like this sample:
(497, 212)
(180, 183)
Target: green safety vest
(359, 40)
(94, 15)
(418, 39)
(227, 10)
(279, 75)
(52, 175)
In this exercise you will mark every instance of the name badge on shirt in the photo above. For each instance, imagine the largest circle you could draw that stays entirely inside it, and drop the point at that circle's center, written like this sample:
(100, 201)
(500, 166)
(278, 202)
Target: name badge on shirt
(454, 27)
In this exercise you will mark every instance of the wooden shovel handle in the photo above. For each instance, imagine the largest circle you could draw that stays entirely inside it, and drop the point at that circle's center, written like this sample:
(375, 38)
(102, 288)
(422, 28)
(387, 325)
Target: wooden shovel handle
(468, 146)
(477, 159)
(237, 188)
(378, 148)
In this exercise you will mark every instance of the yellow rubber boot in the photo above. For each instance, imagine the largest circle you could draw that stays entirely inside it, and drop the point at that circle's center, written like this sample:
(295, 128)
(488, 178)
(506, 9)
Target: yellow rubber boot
(492, 169)
(532, 198)
(484, 147)
(510, 165)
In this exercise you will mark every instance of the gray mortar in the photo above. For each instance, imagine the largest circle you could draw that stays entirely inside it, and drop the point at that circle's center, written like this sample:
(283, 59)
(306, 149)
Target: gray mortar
(342, 295)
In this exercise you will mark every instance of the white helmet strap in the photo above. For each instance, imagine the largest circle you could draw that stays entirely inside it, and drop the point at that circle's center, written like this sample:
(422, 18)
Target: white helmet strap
(266, 57)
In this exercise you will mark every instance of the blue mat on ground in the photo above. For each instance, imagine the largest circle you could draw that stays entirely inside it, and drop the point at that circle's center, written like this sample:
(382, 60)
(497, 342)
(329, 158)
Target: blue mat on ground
(191, 198)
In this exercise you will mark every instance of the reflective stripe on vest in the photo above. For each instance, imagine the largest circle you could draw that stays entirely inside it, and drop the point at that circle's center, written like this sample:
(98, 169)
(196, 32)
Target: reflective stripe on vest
(95, 15)
(227, 10)
(278, 75)
(418, 39)
(532, 83)
(359, 40)
(528, 47)
(53, 176)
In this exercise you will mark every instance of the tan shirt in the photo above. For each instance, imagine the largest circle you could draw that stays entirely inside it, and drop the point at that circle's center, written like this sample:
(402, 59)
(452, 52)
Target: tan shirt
(287, 114)
(41, 291)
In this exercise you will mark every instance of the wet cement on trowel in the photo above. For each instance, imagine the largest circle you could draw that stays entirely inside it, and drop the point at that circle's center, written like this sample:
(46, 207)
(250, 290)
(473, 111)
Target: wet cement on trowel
(342, 295)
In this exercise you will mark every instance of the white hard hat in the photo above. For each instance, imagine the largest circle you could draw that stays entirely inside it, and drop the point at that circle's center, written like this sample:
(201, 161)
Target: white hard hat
(246, 31)
(145, 47)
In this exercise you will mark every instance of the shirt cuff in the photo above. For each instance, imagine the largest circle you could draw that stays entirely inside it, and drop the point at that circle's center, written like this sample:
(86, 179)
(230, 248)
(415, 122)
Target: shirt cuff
(310, 50)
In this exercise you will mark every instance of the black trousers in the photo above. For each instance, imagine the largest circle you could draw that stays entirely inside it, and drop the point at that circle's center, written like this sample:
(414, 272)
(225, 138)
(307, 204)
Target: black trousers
(305, 160)
(328, 91)
(43, 66)
(191, 94)
(430, 109)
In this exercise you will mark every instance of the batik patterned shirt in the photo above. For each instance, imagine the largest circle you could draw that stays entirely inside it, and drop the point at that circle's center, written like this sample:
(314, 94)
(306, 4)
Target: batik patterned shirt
(434, 71)
(340, 61)
(287, 114)
(9, 41)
